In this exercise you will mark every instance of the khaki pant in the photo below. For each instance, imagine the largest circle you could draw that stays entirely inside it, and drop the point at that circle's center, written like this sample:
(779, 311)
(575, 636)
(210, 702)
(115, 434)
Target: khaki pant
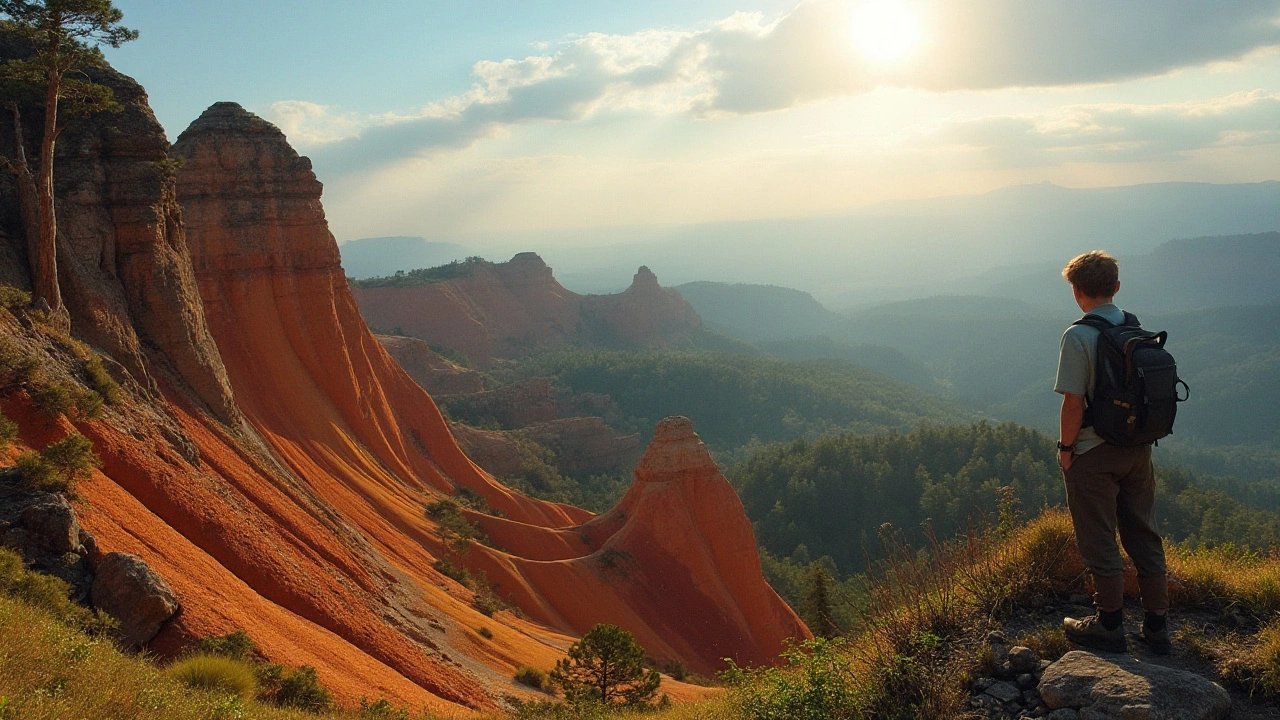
(1110, 489)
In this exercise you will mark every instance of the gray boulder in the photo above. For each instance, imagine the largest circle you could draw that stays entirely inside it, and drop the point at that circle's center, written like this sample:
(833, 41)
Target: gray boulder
(126, 588)
(1117, 686)
(52, 526)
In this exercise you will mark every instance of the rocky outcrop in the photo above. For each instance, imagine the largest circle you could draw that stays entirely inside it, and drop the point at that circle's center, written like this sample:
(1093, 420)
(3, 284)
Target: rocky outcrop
(127, 589)
(516, 308)
(1118, 686)
(674, 562)
(302, 522)
(494, 450)
(123, 264)
(44, 529)
(645, 315)
(434, 373)
(497, 310)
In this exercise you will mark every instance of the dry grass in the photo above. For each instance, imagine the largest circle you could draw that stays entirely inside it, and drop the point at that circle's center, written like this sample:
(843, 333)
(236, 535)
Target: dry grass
(1225, 576)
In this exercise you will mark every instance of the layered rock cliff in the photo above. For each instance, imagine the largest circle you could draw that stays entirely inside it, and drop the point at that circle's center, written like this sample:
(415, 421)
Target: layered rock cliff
(517, 308)
(272, 462)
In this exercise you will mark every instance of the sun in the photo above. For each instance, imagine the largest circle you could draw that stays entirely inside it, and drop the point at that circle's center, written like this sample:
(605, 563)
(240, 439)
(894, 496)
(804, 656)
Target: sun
(887, 32)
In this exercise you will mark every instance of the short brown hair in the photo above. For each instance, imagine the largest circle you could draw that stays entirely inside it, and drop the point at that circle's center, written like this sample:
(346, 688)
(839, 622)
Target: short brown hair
(1094, 273)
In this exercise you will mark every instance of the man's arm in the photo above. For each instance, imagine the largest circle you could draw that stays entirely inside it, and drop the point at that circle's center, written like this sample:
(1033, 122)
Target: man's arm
(1069, 426)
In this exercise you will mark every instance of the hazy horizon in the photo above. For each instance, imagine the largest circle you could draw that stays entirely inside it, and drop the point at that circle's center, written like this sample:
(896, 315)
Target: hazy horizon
(448, 120)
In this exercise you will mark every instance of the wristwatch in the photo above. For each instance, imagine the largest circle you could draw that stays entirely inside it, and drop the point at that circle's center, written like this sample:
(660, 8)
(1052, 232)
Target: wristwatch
(1065, 448)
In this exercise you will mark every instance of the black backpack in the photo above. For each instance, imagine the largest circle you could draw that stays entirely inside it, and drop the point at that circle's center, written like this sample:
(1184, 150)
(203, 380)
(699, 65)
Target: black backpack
(1135, 395)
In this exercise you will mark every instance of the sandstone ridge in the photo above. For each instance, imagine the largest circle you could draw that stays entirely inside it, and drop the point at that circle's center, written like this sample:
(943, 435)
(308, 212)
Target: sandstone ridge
(510, 309)
(272, 461)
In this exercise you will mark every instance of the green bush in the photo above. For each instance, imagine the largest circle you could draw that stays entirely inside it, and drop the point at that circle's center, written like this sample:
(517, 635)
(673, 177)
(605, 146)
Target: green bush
(533, 677)
(217, 673)
(236, 645)
(301, 689)
(59, 466)
(16, 365)
(49, 594)
(485, 633)
(51, 398)
(12, 298)
(37, 475)
(606, 666)
(100, 381)
(381, 709)
(8, 431)
(818, 682)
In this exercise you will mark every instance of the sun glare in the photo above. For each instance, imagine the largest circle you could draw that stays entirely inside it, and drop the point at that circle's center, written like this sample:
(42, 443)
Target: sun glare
(886, 31)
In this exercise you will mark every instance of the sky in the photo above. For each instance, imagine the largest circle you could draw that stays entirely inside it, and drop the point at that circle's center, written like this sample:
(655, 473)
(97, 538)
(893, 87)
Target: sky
(463, 120)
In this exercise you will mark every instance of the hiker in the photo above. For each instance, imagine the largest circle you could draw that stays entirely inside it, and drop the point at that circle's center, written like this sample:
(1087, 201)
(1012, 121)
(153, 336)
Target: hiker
(1110, 487)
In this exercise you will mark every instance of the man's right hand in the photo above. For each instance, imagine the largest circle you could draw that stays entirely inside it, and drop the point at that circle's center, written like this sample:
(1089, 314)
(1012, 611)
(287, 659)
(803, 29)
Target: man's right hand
(1065, 458)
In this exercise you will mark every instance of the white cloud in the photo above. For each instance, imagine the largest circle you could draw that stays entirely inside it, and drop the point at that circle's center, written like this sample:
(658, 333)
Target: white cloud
(1113, 132)
(748, 64)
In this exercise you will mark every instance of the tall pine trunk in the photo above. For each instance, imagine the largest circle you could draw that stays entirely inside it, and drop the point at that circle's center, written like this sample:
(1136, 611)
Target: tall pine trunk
(44, 251)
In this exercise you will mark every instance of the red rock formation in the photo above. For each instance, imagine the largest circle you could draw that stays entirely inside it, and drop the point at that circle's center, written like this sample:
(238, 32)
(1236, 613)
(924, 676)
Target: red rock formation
(434, 373)
(305, 525)
(679, 538)
(499, 310)
(513, 406)
(512, 309)
(645, 315)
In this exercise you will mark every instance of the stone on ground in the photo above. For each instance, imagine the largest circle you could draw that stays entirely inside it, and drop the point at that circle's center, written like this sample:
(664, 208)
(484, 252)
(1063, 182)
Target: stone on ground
(127, 589)
(1118, 686)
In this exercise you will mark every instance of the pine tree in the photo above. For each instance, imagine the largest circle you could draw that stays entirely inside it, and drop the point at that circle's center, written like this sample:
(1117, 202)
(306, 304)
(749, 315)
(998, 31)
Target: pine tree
(64, 36)
(815, 610)
(606, 666)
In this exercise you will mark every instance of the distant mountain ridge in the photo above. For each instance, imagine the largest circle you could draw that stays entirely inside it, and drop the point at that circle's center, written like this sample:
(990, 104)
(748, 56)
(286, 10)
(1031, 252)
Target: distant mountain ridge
(374, 257)
(898, 250)
(487, 311)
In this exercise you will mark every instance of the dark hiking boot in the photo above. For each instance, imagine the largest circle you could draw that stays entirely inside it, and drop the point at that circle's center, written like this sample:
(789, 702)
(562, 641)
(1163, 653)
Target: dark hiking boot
(1158, 640)
(1091, 633)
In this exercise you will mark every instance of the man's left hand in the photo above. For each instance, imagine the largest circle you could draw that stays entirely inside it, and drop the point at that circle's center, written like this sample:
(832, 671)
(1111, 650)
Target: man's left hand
(1065, 458)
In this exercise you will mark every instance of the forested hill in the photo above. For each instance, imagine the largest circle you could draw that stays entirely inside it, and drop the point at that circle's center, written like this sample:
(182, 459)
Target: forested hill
(734, 399)
(833, 494)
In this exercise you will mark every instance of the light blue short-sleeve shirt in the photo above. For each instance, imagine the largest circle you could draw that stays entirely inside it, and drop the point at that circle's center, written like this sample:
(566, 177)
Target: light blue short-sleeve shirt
(1077, 360)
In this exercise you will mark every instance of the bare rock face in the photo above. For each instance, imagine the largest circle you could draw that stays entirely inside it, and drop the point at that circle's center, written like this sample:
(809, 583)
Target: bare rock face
(122, 255)
(53, 525)
(126, 588)
(1118, 686)
(506, 310)
(514, 406)
(645, 315)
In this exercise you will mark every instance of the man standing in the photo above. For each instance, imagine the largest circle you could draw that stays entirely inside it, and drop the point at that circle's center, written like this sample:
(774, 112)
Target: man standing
(1109, 488)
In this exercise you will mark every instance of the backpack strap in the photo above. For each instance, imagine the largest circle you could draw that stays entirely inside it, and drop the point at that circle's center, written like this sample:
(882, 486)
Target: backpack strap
(1100, 323)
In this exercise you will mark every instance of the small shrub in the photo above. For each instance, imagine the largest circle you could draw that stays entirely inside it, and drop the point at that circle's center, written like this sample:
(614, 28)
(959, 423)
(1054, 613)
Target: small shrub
(1049, 642)
(216, 673)
(269, 676)
(100, 381)
(236, 645)
(485, 633)
(301, 689)
(449, 569)
(49, 594)
(52, 399)
(8, 431)
(676, 670)
(16, 365)
(381, 709)
(452, 526)
(1258, 666)
(59, 466)
(37, 475)
(12, 298)
(486, 601)
(533, 677)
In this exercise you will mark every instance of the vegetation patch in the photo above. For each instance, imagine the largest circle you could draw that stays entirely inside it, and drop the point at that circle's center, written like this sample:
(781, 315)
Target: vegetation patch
(533, 677)
(59, 466)
(425, 276)
(216, 673)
